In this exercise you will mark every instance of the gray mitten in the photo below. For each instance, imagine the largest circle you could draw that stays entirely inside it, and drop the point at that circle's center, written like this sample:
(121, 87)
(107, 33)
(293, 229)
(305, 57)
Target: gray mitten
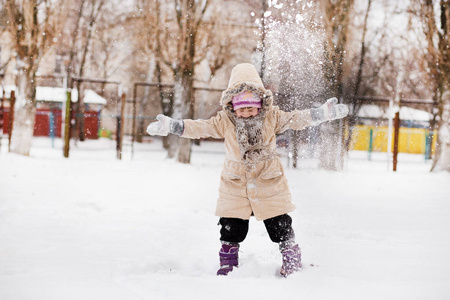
(330, 110)
(165, 125)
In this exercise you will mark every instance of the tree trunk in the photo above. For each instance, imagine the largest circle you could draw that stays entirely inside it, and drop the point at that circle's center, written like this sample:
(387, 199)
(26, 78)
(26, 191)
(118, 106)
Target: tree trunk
(165, 99)
(140, 130)
(184, 154)
(25, 114)
(81, 113)
(329, 158)
(183, 109)
(337, 19)
(356, 104)
(295, 141)
(32, 31)
(441, 161)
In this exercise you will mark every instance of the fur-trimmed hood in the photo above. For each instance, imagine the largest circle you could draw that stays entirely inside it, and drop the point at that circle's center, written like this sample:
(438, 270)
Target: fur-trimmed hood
(244, 77)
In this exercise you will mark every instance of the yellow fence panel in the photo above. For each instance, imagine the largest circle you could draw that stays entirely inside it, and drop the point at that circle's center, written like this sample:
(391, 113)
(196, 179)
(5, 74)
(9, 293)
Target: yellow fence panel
(411, 140)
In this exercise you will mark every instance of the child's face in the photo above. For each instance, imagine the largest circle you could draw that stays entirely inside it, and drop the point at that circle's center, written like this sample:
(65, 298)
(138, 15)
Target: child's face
(246, 112)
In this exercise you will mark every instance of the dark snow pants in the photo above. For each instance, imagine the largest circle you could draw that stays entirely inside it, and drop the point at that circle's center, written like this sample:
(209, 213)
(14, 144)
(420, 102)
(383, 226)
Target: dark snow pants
(235, 230)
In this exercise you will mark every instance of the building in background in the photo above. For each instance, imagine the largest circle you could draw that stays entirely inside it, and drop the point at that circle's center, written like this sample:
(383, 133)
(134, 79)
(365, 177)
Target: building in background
(49, 110)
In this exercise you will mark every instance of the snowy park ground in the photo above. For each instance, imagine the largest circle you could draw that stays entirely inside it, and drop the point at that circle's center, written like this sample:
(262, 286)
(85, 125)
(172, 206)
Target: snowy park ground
(92, 227)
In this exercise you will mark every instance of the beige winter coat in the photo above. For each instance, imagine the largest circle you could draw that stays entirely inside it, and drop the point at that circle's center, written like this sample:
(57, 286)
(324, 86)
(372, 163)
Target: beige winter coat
(261, 190)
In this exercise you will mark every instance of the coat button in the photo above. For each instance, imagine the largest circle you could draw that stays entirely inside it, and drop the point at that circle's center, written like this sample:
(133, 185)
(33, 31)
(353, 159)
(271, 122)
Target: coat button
(251, 188)
(251, 185)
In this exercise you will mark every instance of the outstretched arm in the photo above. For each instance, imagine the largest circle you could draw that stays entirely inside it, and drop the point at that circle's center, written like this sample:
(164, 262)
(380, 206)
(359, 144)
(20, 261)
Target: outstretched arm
(300, 119)
(165, 125)
(328, 111)
(191, 129)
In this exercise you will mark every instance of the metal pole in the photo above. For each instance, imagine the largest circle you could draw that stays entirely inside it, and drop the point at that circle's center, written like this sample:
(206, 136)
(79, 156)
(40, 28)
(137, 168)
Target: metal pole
(2, 100)
(396, 134)
(120, 127)
(67, 120)
(118, 124)
(51, 124)
(133, 133)
(83, 79)
(170, 85)
(427, 145)
(12, 103)
(389, 133)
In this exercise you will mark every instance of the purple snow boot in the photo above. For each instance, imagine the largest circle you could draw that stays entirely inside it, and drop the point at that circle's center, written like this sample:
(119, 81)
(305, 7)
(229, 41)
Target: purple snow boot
(291, 260)
(228, 255)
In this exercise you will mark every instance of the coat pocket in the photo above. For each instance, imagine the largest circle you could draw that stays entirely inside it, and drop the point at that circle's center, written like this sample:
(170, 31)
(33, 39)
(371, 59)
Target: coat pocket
(231, 175)
(274, 170)
(232, 171)
(232, 181)
(272, 182)
(271, 175)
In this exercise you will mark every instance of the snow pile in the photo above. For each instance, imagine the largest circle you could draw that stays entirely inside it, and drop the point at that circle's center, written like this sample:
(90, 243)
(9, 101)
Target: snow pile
(92, 227)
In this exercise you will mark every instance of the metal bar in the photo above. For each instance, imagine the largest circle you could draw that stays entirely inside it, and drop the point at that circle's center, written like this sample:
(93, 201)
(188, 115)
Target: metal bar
(402, 100)
(94, 80)
(396, 134)
(51, 76)
(418, 101)
(67, 119)
(154, 84)
(120, 127)
(209, 89)
(12, 103)
(133, 130)
(372, 98)
(51, 129)
(2, 111)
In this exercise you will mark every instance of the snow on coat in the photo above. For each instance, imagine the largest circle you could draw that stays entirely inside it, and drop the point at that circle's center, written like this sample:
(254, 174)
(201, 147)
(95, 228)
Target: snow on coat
(259, 188)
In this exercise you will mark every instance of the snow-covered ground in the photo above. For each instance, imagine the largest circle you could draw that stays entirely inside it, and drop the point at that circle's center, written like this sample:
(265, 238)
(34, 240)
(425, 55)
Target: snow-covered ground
(93, 227)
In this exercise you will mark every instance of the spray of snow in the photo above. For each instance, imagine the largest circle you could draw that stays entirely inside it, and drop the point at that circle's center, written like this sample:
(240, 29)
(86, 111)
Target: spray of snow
(294, 56)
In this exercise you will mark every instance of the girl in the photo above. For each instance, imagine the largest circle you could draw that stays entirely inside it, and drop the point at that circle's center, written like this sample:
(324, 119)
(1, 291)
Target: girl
(252, 181)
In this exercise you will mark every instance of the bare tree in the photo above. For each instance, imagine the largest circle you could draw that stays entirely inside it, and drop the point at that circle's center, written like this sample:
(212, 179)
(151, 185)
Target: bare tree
(337, 16)
(107, 56)
(355, 103)
(80, 5)
(435, 19)
(182, 37)
(33, 25)
(150, 42)
(3, 67)
(189, 17)
(95, 9)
